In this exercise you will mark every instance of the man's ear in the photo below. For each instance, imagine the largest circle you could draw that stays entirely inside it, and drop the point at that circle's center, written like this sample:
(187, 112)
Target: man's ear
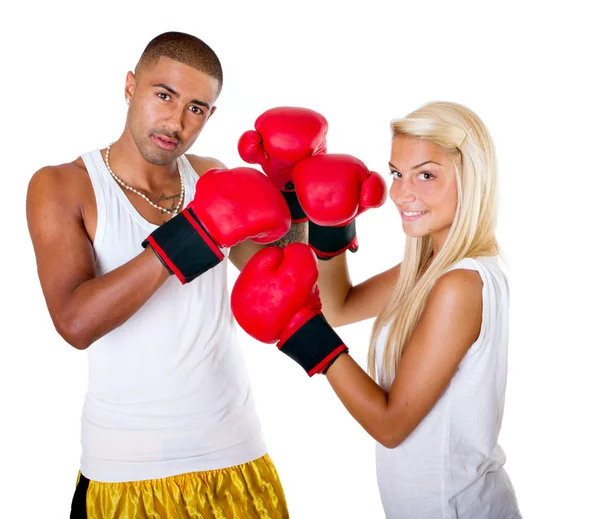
(212, 111)
(129, 86)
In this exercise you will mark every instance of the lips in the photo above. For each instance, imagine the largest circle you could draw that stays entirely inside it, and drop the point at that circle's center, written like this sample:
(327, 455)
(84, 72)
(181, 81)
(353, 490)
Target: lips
(164, 142)
(410, 216)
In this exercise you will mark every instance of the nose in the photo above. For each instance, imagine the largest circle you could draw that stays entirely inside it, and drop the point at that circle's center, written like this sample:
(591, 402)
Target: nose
(174, 121)
(402, 191)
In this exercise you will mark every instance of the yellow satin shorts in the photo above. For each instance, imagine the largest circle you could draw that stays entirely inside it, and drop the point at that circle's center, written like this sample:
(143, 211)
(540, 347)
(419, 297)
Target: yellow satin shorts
(247, 491)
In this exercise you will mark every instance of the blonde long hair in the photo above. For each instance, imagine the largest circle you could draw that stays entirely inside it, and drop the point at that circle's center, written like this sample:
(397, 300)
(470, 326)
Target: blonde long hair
(465, 138)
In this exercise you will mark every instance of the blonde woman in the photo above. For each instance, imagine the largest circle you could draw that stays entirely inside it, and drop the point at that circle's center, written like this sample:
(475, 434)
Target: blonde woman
(439, 345)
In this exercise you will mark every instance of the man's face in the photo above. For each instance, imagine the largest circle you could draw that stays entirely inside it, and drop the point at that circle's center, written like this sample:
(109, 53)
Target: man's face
(170, 104)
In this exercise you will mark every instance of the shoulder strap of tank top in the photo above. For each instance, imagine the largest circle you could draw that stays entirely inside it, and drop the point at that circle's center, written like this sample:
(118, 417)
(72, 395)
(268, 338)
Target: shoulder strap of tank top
(465, 263)
(190, 177)
(188, 168)
(93, 163)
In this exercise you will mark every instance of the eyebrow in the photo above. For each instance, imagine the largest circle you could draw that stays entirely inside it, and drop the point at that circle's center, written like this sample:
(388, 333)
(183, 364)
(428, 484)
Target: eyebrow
(176, 94)
(418, 165)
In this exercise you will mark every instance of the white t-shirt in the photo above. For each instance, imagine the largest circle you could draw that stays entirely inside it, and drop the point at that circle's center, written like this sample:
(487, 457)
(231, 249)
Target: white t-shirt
(168, 391)
(451, 466)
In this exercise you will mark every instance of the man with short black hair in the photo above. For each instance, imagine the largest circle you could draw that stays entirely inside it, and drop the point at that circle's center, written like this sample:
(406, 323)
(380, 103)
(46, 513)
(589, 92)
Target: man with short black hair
(169, 427)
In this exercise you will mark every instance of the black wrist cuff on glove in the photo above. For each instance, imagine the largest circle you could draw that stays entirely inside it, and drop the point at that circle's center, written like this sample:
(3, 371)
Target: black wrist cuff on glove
(314, 345)
(298, 214)
(327, 242)
(184, 246)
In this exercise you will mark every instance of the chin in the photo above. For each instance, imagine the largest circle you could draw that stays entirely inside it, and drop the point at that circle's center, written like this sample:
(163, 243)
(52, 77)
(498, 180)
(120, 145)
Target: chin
(160, 157)
(413, 231)
(412, 234)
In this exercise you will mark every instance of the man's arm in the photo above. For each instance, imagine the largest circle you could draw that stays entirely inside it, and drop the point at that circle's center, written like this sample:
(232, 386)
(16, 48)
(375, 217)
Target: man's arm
(83, 307)
(241, 253)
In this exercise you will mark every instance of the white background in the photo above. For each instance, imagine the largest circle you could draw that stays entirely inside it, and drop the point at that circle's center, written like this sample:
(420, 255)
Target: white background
(528, 69)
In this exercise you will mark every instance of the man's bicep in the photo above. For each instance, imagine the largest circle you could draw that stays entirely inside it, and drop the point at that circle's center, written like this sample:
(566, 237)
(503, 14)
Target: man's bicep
(63, 251)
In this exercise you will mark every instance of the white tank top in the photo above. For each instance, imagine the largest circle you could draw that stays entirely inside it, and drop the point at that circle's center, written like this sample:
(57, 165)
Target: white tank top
(450, 467)
(168, 391)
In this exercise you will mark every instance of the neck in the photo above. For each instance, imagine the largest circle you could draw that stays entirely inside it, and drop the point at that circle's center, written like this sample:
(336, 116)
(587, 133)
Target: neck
(129, 165)
(439, 238)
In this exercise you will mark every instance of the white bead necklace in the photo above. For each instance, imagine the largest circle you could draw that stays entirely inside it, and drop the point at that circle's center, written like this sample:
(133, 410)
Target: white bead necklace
(172, 212)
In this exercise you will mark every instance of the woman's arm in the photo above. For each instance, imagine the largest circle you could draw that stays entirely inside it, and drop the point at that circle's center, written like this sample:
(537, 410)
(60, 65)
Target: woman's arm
(345, 304)
(449, 325)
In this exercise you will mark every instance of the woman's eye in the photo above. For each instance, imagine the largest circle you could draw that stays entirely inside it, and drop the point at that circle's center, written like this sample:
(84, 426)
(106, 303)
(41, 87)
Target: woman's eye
(425, 175)
(396, 174)
(163, 96)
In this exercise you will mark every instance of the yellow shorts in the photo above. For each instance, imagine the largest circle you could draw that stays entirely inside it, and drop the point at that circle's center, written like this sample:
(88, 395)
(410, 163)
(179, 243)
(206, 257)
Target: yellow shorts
(247, 491)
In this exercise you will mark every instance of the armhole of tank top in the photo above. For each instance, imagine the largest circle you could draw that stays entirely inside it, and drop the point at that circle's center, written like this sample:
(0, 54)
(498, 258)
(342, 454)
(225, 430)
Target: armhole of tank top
(379, 354)
(99, 196)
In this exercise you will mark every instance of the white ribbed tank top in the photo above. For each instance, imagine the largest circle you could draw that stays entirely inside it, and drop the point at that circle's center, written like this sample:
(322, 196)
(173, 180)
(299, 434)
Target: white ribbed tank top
(168, 391)
(451, 466)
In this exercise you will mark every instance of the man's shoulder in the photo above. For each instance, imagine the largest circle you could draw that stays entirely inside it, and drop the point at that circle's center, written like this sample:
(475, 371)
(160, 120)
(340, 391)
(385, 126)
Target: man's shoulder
(67, 171)
(61, 179)
(202, 164)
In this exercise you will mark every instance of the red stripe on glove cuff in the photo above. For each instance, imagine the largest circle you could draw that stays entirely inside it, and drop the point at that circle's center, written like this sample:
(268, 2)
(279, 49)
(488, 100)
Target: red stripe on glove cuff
(203, 234)
(325, 362)
(166, 259)
(353, 247)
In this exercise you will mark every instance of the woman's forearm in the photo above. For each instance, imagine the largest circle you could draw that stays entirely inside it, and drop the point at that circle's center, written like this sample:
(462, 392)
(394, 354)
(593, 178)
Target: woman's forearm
(364, 399)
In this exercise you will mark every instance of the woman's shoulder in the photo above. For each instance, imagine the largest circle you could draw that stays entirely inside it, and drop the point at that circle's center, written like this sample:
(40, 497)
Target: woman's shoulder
(458, 285)
(490, 269)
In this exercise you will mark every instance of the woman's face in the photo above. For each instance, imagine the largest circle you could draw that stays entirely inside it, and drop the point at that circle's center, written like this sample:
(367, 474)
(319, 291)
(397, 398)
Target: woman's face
(424, 188)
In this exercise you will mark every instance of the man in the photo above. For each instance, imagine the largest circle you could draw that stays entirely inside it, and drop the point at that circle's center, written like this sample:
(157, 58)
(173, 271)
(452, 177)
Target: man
(169, 427)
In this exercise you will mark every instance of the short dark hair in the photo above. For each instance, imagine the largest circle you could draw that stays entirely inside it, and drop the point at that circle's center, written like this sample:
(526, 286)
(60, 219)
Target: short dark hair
(186, 49)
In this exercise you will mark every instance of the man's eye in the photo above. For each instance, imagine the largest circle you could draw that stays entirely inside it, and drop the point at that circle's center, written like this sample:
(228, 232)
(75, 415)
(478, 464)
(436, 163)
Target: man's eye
(196, 110)
(396, 174)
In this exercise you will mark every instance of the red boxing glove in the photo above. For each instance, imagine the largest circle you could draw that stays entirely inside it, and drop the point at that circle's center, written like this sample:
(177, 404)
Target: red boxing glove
(240, 203)
(230, 206)
(333, 190)
(275, 298)
(284, 136)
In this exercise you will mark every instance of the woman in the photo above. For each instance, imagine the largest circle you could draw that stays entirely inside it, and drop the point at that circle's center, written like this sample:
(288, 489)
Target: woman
(439, 343)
